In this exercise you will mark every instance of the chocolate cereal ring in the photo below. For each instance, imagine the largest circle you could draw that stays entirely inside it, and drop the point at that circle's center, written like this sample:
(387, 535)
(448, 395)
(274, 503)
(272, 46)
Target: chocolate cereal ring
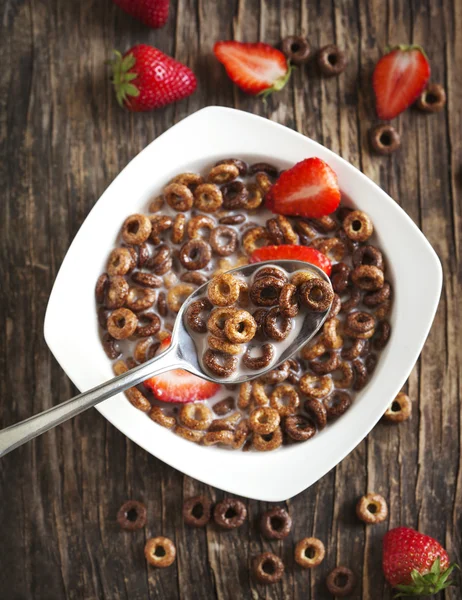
(360, 373)
(197, 511)
(271, 272)
(383, 335)
(309, 552)
(214, 438)
(372, 509)
(223, 240)
(331, 338)
(240, 164)
(243, 399)
(345, 381)
(275, 232)
(367, 255)
(100, 288)
(316, 294)
(299, 428)
(253, 198)
(224, 406)
(134, 396)
(217, 319)
(208, 197)
(263, 182)
(267, 442)
(288, 300)
(197, 224)
(316, 386)
(190, 180)
(194, 277)
(372, 299)
(162, 306)
(140, 298)
(189, 434)
(332, 247)
(240, 327)
(400, 409)
(230, 513)
(254, 238)
(275, 523)
(159, 223)
(132, 515)
(277, 325)
(340, 277)
(195, 415)
(219, 363)
(277, 375)
(335, 307)
(341, 582)
(383, 310)
(159, 417)
(358, 226)
(145, 349)
(193, 315)
(255, 363)
(116, 292)
(265, 290)
(317, 411)
(368, 277)
(195, 254)
(360, 322)
(223, 345)
(325, 363)
(120, 262)
(152, 327)
(110, 346)
(160, 552)
(176, 296)
(268, 568)
(288, 393)
(301, 277)
(354, 350)
(232, 219)
(178, 228)
(297, 49)
(160, 258)
(353, 298)
(156, 204)
(179, 197)
(136, 229)
(147, 279)
(224, 290)
(337, 404)
(235, 195)
(264, 420)
(122, 323)
(223, 173)
(313, 350)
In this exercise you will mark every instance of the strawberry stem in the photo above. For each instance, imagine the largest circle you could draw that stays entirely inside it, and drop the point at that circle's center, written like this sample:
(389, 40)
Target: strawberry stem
(406, 48)
(428, 584)
(122, 76)
(279, 83)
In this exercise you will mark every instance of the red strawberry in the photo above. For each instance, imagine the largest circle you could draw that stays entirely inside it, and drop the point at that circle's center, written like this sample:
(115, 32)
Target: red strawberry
(179, 385)
(308, 189)
(414, 563)
(255, 68)
(153, 13)
(399, 78)
(145, 78)
(292, 252)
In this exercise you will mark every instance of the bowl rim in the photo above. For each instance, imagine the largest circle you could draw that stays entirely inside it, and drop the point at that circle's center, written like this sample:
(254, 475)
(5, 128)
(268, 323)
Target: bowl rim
(273, 476)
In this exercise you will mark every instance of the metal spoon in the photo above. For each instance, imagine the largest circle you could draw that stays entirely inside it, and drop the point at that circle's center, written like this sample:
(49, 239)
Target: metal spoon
(181, 354)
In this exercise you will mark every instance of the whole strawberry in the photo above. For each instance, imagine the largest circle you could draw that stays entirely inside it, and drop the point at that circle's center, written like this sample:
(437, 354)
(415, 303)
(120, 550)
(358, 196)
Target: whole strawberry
(153, 13)
(415, 564)
(145, 78)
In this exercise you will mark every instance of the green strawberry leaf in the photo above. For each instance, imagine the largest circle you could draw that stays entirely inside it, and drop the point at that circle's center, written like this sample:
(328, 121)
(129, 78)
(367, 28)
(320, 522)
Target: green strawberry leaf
(428, 584)
(122, 76)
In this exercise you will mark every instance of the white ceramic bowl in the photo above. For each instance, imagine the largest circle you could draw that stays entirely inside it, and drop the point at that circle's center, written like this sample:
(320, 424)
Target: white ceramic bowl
(197, 142)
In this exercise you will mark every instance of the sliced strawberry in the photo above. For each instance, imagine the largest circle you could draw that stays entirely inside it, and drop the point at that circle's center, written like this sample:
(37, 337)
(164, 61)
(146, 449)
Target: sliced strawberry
(255, 68)
(308, 189)
(292, 252)
(179, 385)
(399, 78)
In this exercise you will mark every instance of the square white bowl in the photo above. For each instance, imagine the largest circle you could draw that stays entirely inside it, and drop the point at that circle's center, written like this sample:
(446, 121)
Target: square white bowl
(197, 142)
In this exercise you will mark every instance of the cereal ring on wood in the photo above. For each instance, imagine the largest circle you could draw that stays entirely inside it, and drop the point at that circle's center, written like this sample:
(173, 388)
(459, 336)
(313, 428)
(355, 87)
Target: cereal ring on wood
(243, 399)
(219, 363)
(265, 290)
(177, 295)
(259, 394)
(195, 416)
(134, 396)
(255, 363)
(193, 315)
(346, 379)
(194, 277)
(264, 420)
(359, 321)
(224, 346)
(189, 434)
(240, 164)
(195, 254)
(316, 386)
(151, 328)
(208, 197)
(224, 290)
(263, 182)
(122, 323)
(372, 299)
(217, 319)
(358, 226)
(139, 298)
(197, 511)
(372, 509)
(317, 411)
(110, 346)
(159, 417)
(223, 240)
(179, 197)
(159, 224)
(120, 262)
(383, 335)
(235, 195)
(368, 277)
(309, 552)
(255, 238)
(101, 287)
(268, 568)
(132, 515)
(277, 325)
(267, 441)
(299, 428)
(160, 552)
(223, 173)
(156, 204)
(230, 513)
(190, 180)
(316, 294)
(288, 303)
(197, 224)
(275, 523)
(400, 409)
(240, 327)
(116, 292)
(367, 255)
(341, 582)
(326, 363)
(330, 336)
(337, 404)
(136, 229)
(288, 393)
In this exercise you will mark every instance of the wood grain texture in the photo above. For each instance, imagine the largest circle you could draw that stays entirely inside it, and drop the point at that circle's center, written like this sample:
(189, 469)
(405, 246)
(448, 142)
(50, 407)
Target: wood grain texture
(62, 140)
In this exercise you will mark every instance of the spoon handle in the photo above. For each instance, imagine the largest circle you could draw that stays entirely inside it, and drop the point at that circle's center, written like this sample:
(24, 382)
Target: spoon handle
(20, 433)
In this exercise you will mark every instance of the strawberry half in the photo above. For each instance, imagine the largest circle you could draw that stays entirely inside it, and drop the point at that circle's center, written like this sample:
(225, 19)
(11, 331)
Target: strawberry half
(292, 252)
(309, 189)
(179, 385)
(399, 78)
(153, 13)
(255, 68)
(415, 564)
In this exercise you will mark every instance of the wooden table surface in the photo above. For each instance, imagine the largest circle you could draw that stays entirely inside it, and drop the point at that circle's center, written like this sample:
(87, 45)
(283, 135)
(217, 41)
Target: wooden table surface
(63, 139)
